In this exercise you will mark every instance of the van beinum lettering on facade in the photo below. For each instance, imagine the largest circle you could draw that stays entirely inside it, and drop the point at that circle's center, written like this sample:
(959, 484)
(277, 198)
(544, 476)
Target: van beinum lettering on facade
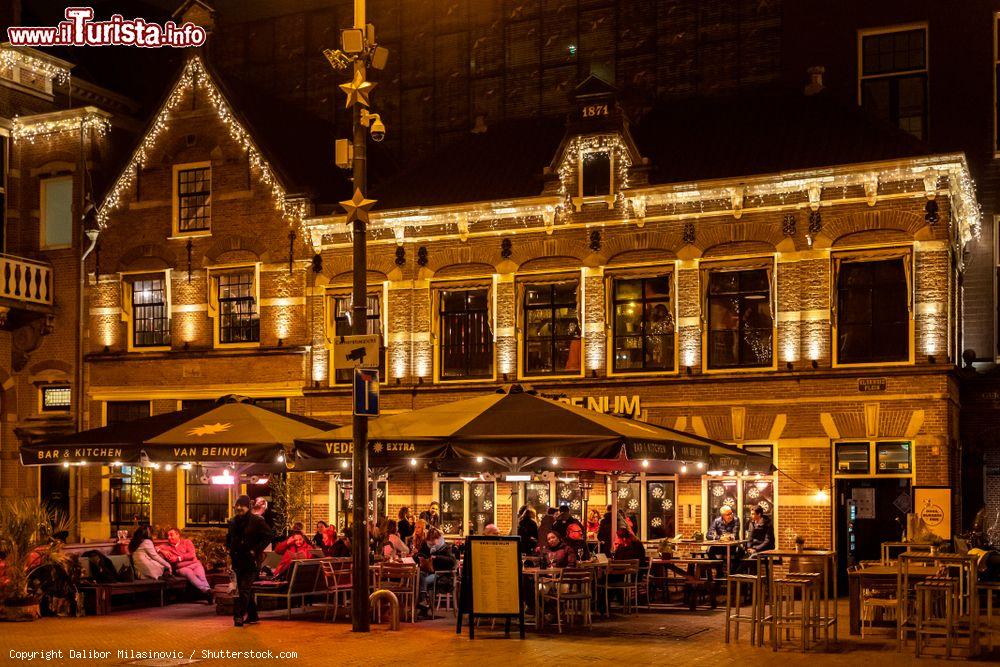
(211, 453)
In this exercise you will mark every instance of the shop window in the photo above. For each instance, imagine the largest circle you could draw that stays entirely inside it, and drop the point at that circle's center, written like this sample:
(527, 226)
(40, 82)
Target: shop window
(150, 312)
(466, 340)
(893, 458)
(722, 492)
(57, 212)
(130, 497)
(194, 199)
(630, 504)
(872, 312)
(345, 502)
(852, 458)
(205, 504)
(643, 325)
(596, 174)
(56, 398)
(551, 329)
(757, 492)
(568, 493)
(661, 509)
(893, 76)
(482, 509)
(537, 496)
(452, 498)
(343, 326)
(239, 321)
(740, 324)
(117, 412)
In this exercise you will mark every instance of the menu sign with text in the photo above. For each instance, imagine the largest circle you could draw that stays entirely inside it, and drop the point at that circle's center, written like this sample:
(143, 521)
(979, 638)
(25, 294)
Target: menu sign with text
(494, 577)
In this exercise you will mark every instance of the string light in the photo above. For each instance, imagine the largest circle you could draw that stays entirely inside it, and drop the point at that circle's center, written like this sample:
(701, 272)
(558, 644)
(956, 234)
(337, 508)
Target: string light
(587, 148)
(196, 77)
(28, 128)
(11, 57)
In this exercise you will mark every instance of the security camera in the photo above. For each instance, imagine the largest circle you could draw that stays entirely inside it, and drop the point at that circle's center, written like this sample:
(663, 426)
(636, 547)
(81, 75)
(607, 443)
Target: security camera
(374, 122)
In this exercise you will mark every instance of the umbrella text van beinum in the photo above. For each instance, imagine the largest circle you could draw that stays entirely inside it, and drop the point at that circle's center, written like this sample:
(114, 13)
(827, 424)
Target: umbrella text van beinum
(226, 453)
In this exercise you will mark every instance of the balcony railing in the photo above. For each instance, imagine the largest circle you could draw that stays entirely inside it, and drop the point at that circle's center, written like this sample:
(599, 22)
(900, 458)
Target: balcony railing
(25, 280)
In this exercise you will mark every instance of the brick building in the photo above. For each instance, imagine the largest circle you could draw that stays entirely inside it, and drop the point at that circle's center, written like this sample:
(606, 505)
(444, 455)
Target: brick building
(696, 245)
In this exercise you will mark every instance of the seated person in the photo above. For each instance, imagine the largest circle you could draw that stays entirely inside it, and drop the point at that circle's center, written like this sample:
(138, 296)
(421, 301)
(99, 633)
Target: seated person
(180, 553)
(491, 529)
(393, 547)
(760, 531)
(725, 526)
(337, 546)
(556, 552)
(294, 548)
(317, 539)
(629, 547)
(147, 562)
(436, 563)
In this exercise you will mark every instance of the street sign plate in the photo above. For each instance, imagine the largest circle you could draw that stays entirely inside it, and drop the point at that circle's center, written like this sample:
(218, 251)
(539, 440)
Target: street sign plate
(365, 392)
(356, 352)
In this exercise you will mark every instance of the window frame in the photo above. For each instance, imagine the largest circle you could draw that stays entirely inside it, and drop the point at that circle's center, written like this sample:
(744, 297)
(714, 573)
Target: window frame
(128, 280)
(338, 511)
(862, 33)
(214, 274)
(609, 199)
(332, 296)
(873, 472)
(177, 232)
(522, 342)
(910, 273)
(187, 484)
(655, 272)
(467, 485)
(438, 304)
(147, 481)
(50, 386)
(106, 404)
(727, 266)
(43, 184)
(648, 479)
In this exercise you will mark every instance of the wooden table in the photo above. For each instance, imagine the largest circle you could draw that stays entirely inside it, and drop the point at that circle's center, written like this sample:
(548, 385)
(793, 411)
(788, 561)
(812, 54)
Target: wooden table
(828, 601)
(728, 545)
(887, 548)
(697, 574)
(875, 574)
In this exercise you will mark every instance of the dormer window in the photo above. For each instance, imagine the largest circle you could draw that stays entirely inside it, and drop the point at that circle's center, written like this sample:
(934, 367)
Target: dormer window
(595, 174)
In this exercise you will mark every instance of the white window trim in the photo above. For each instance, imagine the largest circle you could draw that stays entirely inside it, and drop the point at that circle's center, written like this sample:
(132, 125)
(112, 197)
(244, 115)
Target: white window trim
(873, 459)
(55, 385)
(175, 200)
(127, 308)
(380, 289)
(42, 185)
(609, 305)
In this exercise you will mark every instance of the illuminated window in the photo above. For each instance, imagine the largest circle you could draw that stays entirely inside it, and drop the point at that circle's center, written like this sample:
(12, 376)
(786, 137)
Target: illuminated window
(740, 325)
(538, 496)
(451, 496)
(893, 458)
(57, 212)
(643, 325)
(661, 509)
(345, 501)
(482, 506)
(894, 77)
(852, 458)
(466, 341)
(872, 312)
(596, 174)
(194, 199)
(342, 318)
(238, 318)
(551, 329)
(205, 504)
(56, 398)
(131, 497)
(150, 316)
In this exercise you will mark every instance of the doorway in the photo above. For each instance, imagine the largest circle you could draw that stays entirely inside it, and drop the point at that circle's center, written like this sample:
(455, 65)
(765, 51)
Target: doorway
(54, 488)
(870, 511)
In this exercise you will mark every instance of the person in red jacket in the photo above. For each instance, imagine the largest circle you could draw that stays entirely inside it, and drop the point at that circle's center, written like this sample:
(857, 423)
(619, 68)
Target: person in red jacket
(294, 548)
(180, 553)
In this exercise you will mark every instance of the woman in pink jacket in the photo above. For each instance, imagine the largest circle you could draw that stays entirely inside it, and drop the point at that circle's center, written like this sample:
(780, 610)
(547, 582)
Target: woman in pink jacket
(180, 553)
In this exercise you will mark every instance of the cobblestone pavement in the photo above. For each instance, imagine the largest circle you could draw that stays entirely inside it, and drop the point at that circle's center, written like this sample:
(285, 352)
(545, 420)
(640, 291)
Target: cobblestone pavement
(673, 637)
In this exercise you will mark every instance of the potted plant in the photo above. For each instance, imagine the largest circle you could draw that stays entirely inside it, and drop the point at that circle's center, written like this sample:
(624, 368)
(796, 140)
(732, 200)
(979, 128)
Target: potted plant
(800, 543)
(27, 541)
(666, 548)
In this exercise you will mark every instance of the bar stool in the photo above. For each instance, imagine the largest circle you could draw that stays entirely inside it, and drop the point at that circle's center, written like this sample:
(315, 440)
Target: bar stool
(990, 630)
(937, 607)
(806, 588)
(735, 585)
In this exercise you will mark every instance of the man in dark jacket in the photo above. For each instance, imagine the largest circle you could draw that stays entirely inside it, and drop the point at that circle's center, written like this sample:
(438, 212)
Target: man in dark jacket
(248, 536)
(570, 529)
(760, 531)
(545, 525)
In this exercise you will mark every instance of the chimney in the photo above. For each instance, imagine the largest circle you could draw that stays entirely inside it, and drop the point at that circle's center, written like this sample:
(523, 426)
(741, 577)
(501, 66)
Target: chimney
(815, 84)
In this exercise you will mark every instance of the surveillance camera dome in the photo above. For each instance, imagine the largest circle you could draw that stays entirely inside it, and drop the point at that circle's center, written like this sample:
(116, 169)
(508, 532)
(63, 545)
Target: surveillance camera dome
(378, 130)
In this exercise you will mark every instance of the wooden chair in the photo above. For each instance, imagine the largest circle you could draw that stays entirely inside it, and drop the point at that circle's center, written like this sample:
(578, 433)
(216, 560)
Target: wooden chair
(444, 588)
(622, 575)
(988, 625)
(796, 605)
(574, 592)
(403, 581)
(547, 580)
(338, 575)
(735, 585)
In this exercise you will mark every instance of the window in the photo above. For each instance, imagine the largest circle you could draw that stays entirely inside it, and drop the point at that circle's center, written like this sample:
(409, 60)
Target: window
(130, 495)
(194, 199)
(893, 82)
(342, 317)
(189, 403)
(996, 82)
(56, 398)
(150, 313)
(661, 510)
(722, 492)
(345, 501)
(4, 148)
(643, 325)
(740, 325)
(466, 338)
(238, 319)
(757, 492)
(205, 504)
(629, 503)
(538, 496)
(872, 312)
(57, 212)
(482, 510)
(893, 458)
(596, 174)
(279, 404)
(117, 412)
(452, 499)
(552, 329)
(568, 493)
(852, 458)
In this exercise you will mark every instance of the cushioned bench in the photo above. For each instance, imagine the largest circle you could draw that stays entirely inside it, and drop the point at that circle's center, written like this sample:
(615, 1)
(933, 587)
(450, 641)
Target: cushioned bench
(98, 596)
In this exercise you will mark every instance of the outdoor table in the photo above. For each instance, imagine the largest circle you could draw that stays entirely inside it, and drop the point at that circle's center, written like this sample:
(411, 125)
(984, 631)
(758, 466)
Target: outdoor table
(887, 548)
(875, 574)
(828, 559)
(728, 545)
(697, 574)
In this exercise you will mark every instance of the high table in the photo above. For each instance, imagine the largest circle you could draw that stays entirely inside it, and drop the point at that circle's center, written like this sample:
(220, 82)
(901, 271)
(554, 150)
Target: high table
(868, 577)
(697, 574)
(766, 560)
(728, 545)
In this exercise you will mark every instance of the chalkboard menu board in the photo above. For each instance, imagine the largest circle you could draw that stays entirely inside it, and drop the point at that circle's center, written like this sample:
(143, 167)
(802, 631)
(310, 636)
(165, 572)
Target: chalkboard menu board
(491, 582)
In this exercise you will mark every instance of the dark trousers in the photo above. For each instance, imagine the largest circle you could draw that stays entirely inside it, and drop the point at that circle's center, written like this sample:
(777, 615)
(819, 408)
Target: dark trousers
(245, 605)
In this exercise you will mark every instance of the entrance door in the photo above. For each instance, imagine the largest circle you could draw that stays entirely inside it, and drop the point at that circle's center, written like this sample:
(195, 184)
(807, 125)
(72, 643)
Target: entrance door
(869, 512)
(54, 488)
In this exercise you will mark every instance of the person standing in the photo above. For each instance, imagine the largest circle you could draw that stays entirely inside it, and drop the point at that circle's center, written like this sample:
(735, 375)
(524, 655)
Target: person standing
(405, 524)
(248, 535)
(431, 515)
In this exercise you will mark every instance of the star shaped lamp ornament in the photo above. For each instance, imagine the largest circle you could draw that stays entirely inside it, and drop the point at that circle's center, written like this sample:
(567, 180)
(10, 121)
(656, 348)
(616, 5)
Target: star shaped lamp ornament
(357, 90)
(357, 207)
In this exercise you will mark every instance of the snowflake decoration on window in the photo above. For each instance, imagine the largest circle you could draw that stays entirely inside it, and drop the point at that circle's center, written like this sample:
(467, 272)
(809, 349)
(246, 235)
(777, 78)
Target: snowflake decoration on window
(633, 504)
(447, 528)
(478, 493)
(487, 505)
(766, 506)
(656, 522)
(668, 504)
(379, 493)
(566, 492)
(543, 498)
(623, 492)
(718, 491)
(657, 492)
(456, 495)
(446, 507)
(481, 518)
(729, 501)
(575, 504)
(753, 492)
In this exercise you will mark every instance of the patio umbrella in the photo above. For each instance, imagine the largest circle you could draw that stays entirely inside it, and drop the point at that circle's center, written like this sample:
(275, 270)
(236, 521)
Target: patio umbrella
(232, 432)
(121, 442)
